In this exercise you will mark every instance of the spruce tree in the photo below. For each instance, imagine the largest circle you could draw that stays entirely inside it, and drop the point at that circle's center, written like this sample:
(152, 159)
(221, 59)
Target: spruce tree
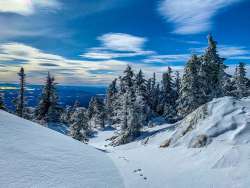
(212, 71)
(79, 129)
(96, 112)
(177, 84)
(141, 96)
(128, 77)
(241, 81)
(48, 108)
(110, 101)
(192, 93)
(20, 100)
(168, 96)
(2, 106)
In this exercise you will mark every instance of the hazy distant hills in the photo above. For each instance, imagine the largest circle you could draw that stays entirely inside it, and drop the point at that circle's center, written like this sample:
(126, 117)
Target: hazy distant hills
(67, 94)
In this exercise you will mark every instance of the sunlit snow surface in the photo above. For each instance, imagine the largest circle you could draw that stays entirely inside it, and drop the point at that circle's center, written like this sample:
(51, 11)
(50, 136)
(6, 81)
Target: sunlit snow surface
(35, 156)
(223, 163)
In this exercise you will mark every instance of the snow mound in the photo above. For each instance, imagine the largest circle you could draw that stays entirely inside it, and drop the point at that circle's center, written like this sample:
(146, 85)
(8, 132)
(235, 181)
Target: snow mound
(224, 119)
(35, 156)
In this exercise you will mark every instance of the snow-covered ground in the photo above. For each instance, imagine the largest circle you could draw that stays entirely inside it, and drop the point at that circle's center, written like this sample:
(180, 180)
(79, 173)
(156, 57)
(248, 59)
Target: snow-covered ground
(210, 148)
(223, 162)
(35, 156)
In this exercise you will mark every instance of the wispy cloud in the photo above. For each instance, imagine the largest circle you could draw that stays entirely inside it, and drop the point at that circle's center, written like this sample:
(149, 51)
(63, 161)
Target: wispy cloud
(70, 71)
(118, 45)
(227, 51)
(122, 42)
(26, 7)
(192, 16)
(170, 58)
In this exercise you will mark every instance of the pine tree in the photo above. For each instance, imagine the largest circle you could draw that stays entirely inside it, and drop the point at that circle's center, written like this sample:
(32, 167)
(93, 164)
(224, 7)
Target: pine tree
(128, 77)
(80, 129)
(20, 100)
(212, 71)
(48, 108)
(132, 112)
(110, 101)
(76, 104)
(126, 96)
(168, 96)
(141, 96)
(177, 84)
(192, 93)
(96, 112)
(241, 81)
(2, 106)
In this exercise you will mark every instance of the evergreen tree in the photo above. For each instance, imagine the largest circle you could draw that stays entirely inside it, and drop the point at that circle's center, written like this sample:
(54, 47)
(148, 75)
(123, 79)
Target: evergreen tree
(2, 106)
(110, 101)
(96, 112)
(154, 94)
(141, 103)
(128, 77)
(192, 93)
(20, 100)
(168, 106)
(76, 104)
(177, 84)
(212, 71)
(126, 96)
(48, 108)
(241, 81)
(80, 129)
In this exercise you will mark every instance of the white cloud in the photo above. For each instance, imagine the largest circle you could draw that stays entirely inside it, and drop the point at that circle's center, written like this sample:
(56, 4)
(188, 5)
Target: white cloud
(170, 58)
(229, 52)
(67, 71)
(192, 16)
(107, 54)
(118, 45)
(26, 7)
(122, 42)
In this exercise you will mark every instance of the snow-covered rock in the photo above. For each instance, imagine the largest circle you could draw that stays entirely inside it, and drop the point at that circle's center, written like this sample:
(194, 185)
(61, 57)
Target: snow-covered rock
(224, 119)
(35, 156)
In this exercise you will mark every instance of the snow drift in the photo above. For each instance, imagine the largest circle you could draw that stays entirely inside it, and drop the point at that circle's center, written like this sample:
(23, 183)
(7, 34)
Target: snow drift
(224, 119)
(35, 156)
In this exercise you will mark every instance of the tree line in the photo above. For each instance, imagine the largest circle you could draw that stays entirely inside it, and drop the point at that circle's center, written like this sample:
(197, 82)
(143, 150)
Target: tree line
(133, 101)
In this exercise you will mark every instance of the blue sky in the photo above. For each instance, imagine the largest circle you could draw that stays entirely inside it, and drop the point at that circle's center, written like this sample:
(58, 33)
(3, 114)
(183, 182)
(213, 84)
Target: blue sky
(91, 41)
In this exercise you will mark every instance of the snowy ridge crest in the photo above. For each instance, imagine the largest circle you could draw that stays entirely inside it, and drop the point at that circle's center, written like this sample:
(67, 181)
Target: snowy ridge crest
(224, 119)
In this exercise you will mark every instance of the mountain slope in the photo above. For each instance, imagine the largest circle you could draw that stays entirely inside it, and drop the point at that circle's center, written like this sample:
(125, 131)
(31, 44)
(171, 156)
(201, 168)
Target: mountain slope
(34, 156)
(222, 162)
(225, 119)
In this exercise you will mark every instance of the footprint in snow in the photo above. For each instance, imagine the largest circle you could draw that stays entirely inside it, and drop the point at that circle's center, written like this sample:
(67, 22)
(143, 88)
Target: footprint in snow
(124, 158)
(139, 171)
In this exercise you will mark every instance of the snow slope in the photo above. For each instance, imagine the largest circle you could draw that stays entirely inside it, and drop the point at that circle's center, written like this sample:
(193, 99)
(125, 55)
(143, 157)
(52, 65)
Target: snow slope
(224, 161)
(35, 156)
(224, 119)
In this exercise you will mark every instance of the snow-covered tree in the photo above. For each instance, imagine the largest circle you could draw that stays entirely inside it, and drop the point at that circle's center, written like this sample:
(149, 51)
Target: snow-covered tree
(79, 129)
(110, 101)
(133, 109)
(141, 95)
(128, 77)
(212, 70)
(241, 81)
(20, 100)
(177, 84)
(192, 93)
(66, 115)
(168, 103)
(96, 112)
(48, 108)
(76, 104)
(2, 106)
